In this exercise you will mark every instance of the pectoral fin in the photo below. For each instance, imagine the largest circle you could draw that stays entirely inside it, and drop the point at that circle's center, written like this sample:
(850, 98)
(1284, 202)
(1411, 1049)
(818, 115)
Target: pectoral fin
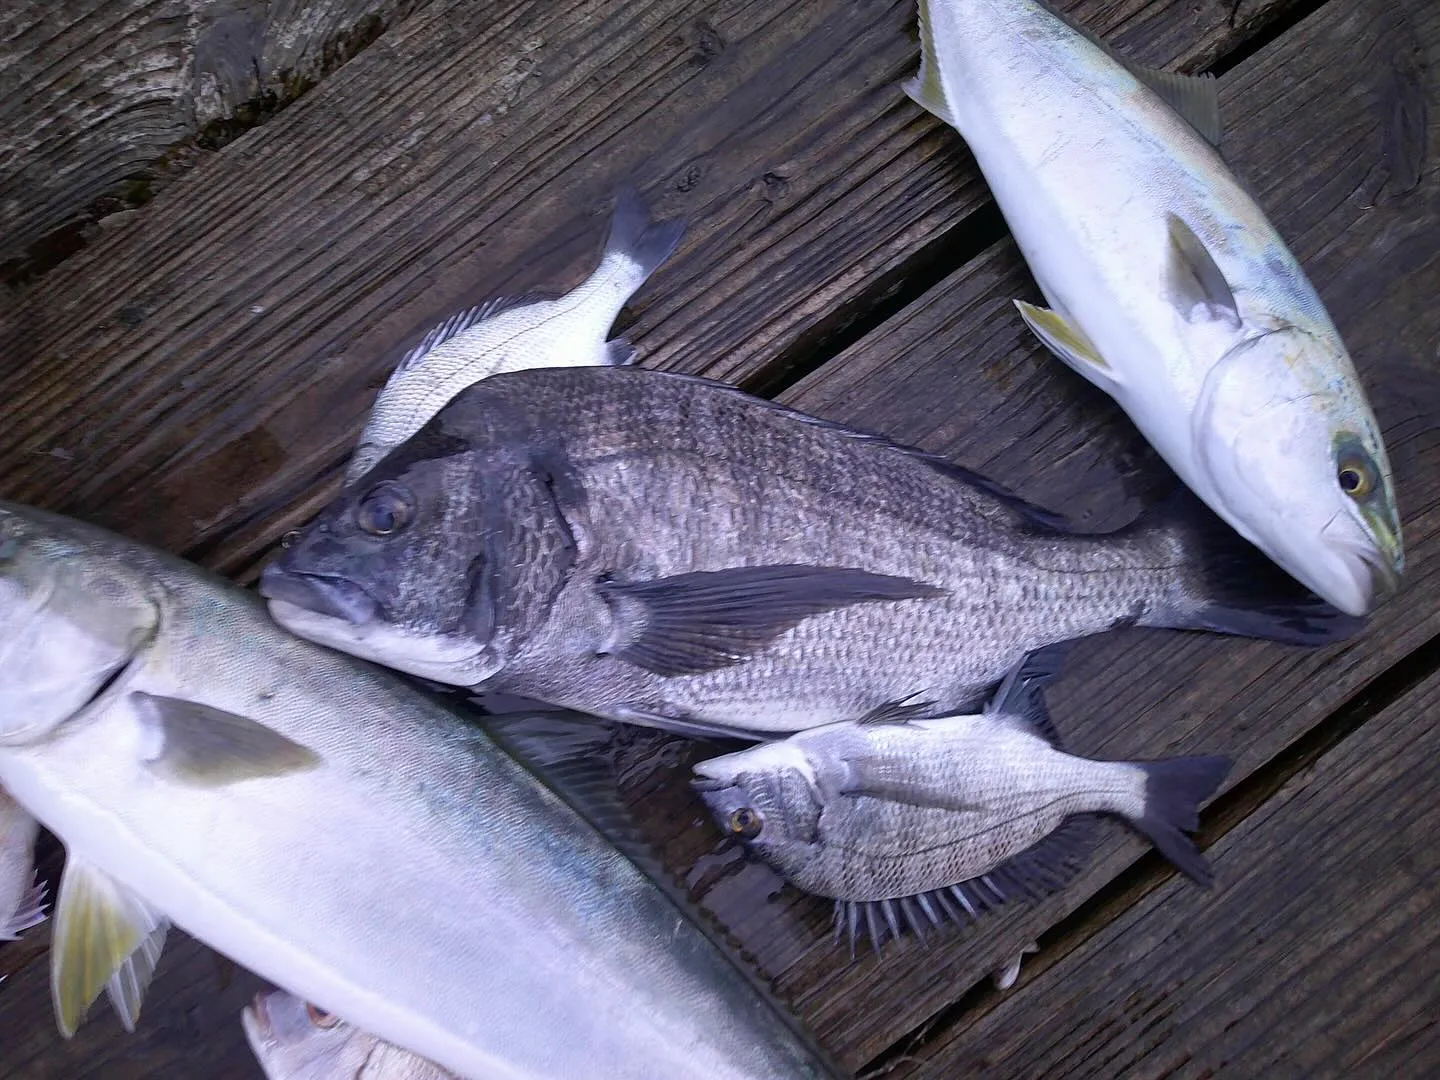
(105, 935)
(1069, 343)
(1197, 285)
(208, 747)
(701, 621)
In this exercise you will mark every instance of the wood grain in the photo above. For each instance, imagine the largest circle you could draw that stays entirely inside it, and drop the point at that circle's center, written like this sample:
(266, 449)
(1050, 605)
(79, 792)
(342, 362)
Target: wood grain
(199, 423)
(203, 369)
(959, 374)
(1314, 956)
(98, 97)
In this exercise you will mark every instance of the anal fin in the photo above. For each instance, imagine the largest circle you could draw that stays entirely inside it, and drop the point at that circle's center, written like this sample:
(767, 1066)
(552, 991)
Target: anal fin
(29, 912)
(1069, 343)
(100, 927)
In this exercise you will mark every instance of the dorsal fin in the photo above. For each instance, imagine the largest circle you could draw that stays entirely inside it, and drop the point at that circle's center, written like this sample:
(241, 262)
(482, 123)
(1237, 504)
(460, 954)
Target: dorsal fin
(560, 750)
(898, 712)
(464, 320)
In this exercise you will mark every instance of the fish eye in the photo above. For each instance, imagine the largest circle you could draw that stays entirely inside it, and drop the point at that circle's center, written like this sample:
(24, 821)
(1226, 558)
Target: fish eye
(745, 823)
(385, 510)
(1356, 477)
(320, 1018)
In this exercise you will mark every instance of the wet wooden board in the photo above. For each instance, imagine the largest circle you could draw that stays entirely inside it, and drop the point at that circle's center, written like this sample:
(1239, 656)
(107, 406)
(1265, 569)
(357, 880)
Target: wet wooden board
(1314, 957)
(101, 99)
(211, 427)
(959, 374)
(225, 345)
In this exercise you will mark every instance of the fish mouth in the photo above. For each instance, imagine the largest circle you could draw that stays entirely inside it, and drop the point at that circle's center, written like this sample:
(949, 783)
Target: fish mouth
(702, 784)
(323, 594)
(1375, 567)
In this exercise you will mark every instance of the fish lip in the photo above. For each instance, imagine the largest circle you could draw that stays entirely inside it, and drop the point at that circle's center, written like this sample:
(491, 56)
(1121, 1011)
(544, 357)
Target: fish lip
(1384, 566)
(324, 594)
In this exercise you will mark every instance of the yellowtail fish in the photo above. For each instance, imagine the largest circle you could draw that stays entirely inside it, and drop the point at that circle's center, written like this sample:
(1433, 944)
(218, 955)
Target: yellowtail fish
(1168, 288)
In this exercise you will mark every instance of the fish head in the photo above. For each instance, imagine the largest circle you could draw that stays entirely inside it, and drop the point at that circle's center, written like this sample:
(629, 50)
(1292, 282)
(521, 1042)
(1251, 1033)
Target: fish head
(395, 571)
(72, 620)
(766, 798)
(294, 1040)
(1294, 461)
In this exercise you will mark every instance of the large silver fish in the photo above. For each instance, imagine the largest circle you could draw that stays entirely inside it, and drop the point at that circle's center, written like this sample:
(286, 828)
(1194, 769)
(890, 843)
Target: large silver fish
(668, 550)
(328, 827)
(22, 897)
(905, 818)
(515, 333)
(1167, 286)
(293, 1040)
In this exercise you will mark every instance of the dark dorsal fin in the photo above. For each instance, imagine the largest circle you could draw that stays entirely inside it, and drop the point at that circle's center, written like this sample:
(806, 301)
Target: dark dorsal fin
(561, 749)
(898, 712)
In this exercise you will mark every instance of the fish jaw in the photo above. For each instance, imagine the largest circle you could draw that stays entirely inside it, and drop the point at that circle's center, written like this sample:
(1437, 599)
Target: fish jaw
(1035, 102)
(454, 662)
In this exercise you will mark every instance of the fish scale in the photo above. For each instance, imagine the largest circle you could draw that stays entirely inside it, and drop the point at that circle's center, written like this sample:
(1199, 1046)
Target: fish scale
(808, 572)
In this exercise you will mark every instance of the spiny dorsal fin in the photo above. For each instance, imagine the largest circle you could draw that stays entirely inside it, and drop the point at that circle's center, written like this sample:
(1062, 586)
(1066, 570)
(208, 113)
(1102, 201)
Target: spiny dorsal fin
(464, 320)
(898, 712)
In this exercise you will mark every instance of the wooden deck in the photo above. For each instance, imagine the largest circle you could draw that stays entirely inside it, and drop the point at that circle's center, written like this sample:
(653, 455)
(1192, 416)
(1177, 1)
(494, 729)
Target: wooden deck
(193, 372)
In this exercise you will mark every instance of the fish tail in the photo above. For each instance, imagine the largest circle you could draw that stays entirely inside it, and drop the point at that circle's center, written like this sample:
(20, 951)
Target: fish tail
(1226, 584)
(1174, 790)
(640, 243)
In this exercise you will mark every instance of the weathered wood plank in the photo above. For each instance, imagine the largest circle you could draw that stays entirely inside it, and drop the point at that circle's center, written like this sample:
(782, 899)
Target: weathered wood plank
(1313, 958)
(940, 382)
(223, 348)
(96, 94)
(959, 374)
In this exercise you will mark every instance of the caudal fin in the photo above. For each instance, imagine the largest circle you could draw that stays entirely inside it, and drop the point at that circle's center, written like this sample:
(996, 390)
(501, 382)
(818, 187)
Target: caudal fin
(634, 235)
(1174, 790)
(1232, 587)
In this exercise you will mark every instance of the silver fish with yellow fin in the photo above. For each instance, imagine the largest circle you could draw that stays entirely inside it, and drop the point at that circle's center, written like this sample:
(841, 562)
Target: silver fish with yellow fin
(1167, 286)
(274, 799)
(907, 818)
(514, 333)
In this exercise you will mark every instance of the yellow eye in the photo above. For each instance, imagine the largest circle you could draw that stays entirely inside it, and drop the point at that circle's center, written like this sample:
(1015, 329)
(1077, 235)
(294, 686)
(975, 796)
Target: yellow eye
(746, 823)
(320, 1018)
(385, 510)
(1356, 477)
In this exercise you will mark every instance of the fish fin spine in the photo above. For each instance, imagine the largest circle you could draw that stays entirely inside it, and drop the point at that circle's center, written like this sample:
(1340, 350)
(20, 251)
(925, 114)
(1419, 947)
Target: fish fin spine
(28, 913)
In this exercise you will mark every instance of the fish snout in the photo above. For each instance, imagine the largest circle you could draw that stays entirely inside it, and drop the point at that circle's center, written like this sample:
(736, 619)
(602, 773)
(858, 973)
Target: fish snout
(323, 594)
(1371, 568)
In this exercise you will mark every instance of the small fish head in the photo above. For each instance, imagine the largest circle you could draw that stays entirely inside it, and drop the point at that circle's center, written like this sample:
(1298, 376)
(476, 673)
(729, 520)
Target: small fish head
(294, 1040)
(385, 572)
(1296, 463)
(71, 623)
(765, 797)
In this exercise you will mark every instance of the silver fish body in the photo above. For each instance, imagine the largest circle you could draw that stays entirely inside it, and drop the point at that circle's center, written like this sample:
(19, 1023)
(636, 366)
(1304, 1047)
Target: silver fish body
(967, 809)
(22, 898)
(330, 828)
(1169, 288)
(296, 1041)
(513, 334)
(668, 550)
